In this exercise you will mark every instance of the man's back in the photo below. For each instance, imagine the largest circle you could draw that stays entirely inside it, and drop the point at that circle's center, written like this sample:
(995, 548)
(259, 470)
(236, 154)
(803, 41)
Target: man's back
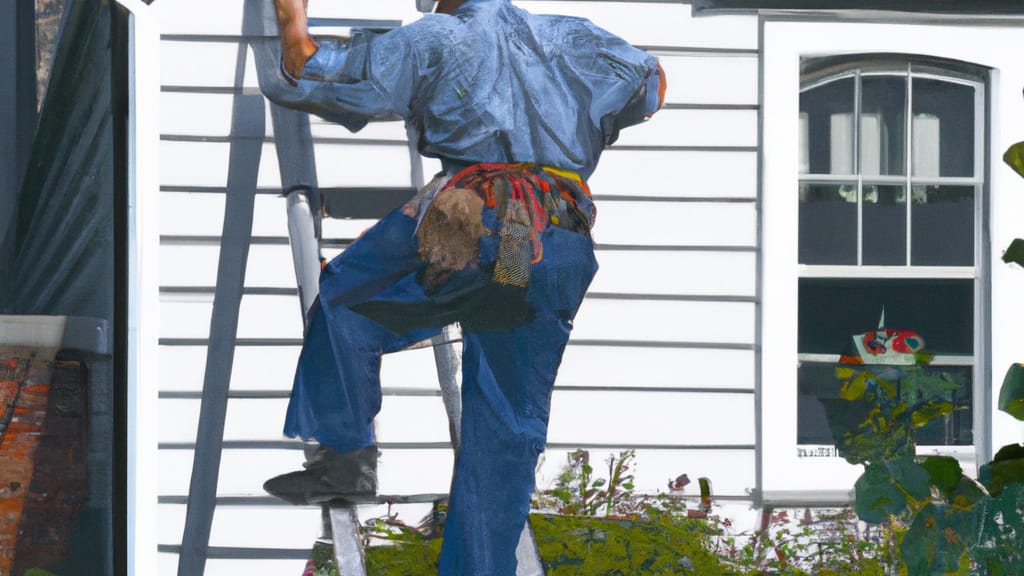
(491, 83)
(504, 85)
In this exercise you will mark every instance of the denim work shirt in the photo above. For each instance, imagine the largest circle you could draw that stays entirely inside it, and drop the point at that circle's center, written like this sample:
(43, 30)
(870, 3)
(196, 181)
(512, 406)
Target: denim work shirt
(489, 83)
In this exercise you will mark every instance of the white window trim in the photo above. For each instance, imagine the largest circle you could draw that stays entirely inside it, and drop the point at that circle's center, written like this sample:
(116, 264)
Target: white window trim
(784, 44)
(141, 530)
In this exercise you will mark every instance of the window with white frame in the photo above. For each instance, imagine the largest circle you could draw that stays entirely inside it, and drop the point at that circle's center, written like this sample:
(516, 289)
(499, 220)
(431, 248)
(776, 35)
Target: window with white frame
(891, 185)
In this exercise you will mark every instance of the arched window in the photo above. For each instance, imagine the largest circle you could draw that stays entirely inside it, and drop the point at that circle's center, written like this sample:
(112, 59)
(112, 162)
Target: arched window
(891, 191)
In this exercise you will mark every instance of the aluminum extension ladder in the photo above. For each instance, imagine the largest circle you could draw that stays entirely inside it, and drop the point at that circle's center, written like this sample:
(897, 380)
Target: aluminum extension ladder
(306, 205)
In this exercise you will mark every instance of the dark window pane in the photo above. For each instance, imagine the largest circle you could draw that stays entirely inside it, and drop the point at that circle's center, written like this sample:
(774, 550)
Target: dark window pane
(826, 128)
(942, 226)
(956, 428)
(818, 387)
(833, 310)
(885, 225)
(828, 224)
(883, 125)
(942, 129)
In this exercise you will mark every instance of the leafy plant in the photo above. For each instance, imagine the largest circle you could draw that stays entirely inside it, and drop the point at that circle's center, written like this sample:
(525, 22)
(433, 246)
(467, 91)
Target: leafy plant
(578, 492)
(827, 542)
(954, 524)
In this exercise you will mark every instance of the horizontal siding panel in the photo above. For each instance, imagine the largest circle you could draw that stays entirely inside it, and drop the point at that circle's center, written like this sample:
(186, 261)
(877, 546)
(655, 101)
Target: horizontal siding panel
(179, 17)
(270, 317)
(628, 272)
(676, 224)
(264, 368)
(598, 319)
(255, 368)
(243, 471)
(256, 567)
(195, 265)
(191, 214)
(642, 23)
(415, 419)
(294, 526)
(202, 214)
(620, 366)
(272, 368)
(642, 418)
(182, 367)
(658, 24)
(184, 319)
(711, 79)
(676, 174)
(207, 64)
(209, 115)
(694, 127)
(270, 267)
(185, 163)
(731, 472)
(184, 265)
(665, 321)
(700, 273)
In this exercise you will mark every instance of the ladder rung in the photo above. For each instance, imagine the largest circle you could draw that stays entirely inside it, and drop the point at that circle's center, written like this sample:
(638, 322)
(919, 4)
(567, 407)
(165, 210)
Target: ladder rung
(317, 22)
(363, 202)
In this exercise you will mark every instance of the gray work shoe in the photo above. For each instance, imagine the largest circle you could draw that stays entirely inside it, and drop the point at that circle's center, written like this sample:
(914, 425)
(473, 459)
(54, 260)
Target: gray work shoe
(330, 475)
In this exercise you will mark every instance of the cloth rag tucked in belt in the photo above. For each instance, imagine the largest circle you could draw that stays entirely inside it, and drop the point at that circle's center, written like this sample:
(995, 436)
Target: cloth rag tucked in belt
(513, 203)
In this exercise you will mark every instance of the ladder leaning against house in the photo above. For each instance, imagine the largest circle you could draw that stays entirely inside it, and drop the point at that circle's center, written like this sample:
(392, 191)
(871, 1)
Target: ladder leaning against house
(306, 205)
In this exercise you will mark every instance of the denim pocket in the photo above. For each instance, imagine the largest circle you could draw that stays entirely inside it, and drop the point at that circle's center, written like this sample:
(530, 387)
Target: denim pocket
(571, 265)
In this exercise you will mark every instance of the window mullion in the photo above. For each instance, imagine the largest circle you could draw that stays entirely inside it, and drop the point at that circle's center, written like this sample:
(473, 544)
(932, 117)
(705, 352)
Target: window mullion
(908, 158)
(857, 94)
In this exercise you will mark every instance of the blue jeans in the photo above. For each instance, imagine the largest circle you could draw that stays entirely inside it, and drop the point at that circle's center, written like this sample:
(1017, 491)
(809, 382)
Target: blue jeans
(507, 372)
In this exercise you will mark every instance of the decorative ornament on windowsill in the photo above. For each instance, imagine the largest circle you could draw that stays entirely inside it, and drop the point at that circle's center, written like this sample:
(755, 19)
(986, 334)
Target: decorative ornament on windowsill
(885, 346)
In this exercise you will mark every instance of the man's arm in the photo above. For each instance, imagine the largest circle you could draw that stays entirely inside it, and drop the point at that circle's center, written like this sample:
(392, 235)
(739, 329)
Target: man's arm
(296, 43)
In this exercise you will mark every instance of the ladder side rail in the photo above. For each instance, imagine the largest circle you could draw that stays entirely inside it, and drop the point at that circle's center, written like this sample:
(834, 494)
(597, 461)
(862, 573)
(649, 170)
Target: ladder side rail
(247, 117)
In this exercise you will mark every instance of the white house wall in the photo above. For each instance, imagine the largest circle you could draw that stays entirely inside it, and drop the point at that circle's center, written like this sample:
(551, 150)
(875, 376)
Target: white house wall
(662, 357)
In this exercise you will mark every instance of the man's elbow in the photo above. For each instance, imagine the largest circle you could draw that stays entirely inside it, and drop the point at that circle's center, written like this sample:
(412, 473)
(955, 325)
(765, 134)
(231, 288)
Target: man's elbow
(656, 87)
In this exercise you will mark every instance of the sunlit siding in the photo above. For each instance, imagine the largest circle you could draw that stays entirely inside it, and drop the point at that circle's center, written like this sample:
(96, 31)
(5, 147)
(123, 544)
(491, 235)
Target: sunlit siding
(663, 350)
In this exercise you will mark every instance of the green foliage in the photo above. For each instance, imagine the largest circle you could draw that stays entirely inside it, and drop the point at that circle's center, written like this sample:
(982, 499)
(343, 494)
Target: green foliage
(586, 545)
(1011, 395)
(1014, 253)
(1014, 157)
(38, 572)
(878, 409)
(826, 543)
(1007, 467)
(953, 524)
(578, 491)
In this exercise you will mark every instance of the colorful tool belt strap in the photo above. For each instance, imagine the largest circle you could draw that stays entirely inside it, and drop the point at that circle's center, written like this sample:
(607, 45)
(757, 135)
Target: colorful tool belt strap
(525, 199)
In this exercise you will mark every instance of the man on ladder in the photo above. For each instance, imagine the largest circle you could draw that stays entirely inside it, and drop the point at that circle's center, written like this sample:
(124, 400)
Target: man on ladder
(518, 108)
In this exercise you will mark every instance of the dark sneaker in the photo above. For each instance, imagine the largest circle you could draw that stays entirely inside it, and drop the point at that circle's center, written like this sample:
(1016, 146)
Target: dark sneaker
(330, 475)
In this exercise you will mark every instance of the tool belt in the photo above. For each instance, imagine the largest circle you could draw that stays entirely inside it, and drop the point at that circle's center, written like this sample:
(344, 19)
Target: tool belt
(515, 203)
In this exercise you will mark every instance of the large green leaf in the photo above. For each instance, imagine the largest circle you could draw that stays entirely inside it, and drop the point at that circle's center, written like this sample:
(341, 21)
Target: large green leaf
(1015, 252)
(928, 385)
(967, 494)
(1006, 468)
(1011, 395)
(1000, 546)
(944, 471)
(1014, 157)
(877, 496)
(929, 411)
(938, 540)
(912, 478)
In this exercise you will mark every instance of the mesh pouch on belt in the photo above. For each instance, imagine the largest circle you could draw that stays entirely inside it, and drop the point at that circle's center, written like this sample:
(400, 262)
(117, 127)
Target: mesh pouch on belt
(515, 247)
